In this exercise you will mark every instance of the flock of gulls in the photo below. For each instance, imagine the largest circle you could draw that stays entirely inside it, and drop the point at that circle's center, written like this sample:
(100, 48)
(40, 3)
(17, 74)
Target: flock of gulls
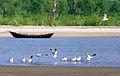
(54, 54)
(78, 59)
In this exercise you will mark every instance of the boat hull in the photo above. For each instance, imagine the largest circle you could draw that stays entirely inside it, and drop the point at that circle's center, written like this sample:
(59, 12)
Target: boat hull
(18, 35)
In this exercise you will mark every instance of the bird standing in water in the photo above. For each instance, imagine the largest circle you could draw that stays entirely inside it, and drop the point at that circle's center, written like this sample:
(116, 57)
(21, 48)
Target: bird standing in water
(74, 59)
(11, 60)
(30, 59)
(78, 59)
(64, 59)
(24, 59)
(38, 55)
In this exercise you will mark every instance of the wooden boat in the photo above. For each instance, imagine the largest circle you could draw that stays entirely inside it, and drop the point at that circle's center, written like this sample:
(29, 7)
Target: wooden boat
(18, 35)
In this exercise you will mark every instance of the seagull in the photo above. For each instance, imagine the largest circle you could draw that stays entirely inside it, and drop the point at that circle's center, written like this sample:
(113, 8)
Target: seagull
(30, 59)
(78, 59)
(24, 59)
(11, 60)
(105, 17)
(64, 59)
(38, 55)
(90, 56)
(54, 53)
(74, 59)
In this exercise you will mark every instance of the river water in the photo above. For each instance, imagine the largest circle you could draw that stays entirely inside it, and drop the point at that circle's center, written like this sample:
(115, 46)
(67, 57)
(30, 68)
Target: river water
(107, 51)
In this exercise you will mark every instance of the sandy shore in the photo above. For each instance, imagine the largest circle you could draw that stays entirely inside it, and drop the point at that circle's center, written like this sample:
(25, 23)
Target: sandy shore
(58, 71)
(63, 31)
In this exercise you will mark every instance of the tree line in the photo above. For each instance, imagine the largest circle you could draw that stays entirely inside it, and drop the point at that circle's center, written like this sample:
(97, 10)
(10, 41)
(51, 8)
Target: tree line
(65, 13)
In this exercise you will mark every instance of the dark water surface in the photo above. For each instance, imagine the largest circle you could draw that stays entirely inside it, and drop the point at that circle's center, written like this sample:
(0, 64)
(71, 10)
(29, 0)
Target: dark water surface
(107, 50)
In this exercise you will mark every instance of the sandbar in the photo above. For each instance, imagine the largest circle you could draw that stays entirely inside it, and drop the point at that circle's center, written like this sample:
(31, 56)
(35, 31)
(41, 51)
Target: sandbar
(58, 71)
(63, 31)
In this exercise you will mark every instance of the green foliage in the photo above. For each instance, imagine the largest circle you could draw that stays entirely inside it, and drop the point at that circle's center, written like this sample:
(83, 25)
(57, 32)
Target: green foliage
(93, 20)
(68, 12)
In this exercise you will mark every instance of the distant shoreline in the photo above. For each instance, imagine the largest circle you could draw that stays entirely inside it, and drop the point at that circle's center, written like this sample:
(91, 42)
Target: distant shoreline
(64, 31)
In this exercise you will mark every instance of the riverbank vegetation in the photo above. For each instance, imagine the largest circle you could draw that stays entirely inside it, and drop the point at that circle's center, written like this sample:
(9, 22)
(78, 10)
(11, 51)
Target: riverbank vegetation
(68, 12)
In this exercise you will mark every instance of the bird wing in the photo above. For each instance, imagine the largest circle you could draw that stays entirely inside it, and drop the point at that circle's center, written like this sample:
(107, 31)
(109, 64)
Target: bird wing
(105, 15)
(55, 52)
(94, 55)
(52, 52)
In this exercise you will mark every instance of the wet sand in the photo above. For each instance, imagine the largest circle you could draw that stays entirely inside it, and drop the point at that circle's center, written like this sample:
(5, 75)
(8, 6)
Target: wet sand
(63, 31)
(58, 71)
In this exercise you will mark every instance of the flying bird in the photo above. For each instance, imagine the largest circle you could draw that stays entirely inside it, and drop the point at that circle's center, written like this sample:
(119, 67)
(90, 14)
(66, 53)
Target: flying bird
(105, 17)
(54, 53)
(89, 57)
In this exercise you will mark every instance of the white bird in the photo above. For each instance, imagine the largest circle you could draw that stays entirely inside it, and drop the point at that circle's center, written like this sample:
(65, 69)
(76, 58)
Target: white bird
(105, 17)
(74, 59)
(11, 60)
(38, 55)
(24, 59)
(89, 56)
(79, 58)
(54, 53)
(64, 59)
(30, 59)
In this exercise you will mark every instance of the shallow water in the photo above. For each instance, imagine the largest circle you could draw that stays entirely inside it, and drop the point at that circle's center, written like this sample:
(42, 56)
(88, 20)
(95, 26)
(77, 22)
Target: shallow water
(107, 50)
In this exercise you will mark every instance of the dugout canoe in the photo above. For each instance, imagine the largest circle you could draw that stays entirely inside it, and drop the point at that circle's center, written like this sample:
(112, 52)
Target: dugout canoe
(19, 35)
